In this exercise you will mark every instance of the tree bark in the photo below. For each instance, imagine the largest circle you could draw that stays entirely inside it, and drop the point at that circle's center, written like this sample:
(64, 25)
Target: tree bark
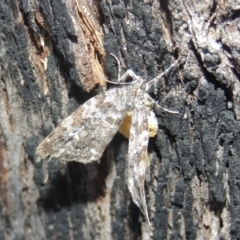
(55, 55)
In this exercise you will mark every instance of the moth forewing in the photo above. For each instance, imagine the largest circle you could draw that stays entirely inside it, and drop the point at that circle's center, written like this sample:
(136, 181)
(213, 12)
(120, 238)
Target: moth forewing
(84, 135)
(137, 153)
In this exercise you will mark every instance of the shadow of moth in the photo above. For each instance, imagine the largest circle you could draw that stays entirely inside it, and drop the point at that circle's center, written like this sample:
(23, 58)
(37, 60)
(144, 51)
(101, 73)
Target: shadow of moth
(84, 135)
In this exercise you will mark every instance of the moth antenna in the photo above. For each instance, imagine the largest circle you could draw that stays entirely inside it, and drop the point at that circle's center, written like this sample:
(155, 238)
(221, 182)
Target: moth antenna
(175, 64)
(157, 78)
(128, 73)
(119, 65)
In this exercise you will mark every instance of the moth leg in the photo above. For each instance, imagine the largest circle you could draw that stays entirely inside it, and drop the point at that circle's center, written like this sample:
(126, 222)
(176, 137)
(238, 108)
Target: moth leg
(165, 109)
(151, 103)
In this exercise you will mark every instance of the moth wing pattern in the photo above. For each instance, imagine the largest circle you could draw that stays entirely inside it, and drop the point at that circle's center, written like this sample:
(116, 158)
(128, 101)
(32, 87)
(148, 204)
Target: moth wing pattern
(84, 135)
(137, 153)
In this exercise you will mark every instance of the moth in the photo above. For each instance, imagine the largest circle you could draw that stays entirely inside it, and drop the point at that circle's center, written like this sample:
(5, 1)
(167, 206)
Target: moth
(84, 135)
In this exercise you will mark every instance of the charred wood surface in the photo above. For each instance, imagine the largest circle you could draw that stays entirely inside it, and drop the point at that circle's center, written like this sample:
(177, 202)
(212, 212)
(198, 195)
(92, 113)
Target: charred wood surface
(55, 55)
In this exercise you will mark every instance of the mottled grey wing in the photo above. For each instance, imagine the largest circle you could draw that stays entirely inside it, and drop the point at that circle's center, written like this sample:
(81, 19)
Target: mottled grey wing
(84, 135)
(137, 153)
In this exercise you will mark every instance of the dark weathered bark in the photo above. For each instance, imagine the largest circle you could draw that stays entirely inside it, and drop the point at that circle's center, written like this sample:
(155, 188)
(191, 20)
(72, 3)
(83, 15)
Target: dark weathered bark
(52, 57)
